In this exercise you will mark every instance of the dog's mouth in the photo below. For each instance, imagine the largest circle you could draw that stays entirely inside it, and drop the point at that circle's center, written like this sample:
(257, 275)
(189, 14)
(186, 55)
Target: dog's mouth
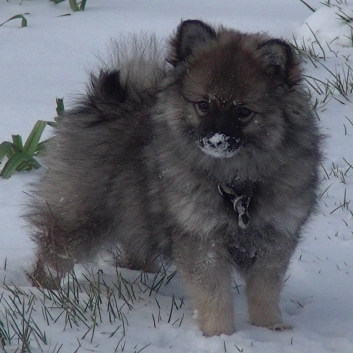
(218, 145)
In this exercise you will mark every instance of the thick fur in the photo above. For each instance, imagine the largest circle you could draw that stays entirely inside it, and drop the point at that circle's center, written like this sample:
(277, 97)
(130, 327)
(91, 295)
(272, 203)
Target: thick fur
(141, 161)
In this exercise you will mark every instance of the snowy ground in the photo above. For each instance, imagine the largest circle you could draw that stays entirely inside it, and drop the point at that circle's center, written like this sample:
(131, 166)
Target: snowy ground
(49, 58)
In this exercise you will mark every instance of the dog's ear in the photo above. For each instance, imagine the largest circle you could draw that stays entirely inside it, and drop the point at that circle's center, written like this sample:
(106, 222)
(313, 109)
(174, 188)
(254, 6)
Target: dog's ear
(190, 35)
(281, 61)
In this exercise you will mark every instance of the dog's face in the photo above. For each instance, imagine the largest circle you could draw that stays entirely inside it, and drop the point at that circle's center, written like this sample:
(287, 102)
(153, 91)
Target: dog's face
(231, 87)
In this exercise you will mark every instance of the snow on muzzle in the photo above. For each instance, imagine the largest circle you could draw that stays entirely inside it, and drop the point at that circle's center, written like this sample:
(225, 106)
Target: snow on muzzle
(218, 145)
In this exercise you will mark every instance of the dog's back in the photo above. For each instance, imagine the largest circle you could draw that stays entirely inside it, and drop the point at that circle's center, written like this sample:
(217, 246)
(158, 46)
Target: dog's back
(79, 204)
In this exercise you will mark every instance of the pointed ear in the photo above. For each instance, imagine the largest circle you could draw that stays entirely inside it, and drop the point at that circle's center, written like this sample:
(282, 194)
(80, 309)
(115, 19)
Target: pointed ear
(190, 35)
(281, 61)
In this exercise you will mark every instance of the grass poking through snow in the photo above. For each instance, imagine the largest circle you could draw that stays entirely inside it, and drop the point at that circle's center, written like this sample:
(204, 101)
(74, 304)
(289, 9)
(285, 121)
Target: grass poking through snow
(92, 308)
(20, 157)
(22, 17)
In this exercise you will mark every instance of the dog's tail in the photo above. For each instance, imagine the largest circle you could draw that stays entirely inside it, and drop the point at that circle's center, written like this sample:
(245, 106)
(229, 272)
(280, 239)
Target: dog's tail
(135, 66)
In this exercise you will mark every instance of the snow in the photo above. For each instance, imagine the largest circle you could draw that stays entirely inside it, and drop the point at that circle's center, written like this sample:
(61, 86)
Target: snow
(217, 146)
(50, 58)
(335, 31)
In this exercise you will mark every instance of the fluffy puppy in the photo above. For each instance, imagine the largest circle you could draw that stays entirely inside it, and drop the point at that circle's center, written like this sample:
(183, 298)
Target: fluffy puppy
(209, 160)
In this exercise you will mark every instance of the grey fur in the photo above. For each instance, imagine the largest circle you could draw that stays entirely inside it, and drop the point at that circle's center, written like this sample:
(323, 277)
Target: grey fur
(139, 161)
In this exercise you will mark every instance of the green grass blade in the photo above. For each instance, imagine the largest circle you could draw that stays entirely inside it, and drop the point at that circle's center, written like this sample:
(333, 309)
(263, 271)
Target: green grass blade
(23, 166)
(58, 1)
(28, 165)
(41, 146)
(11, 165)
(308, 6)
(23, 22)
(5, 149)
(34, 163)
(17, 140)
(83, 5)
(73, 5)
(14, 149)
(54, 123)
(31, 144)
(60, 108)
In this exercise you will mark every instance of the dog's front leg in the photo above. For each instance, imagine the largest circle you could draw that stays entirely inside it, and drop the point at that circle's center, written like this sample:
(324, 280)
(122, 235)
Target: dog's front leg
(264, 282)
(206, 272)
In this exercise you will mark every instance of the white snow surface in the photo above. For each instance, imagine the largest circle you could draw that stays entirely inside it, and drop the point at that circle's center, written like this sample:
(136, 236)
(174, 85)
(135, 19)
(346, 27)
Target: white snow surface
(327, 26)
(50, 58)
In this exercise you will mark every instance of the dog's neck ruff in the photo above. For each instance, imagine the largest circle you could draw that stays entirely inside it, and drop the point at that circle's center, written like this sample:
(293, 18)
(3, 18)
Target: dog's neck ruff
(240, 197)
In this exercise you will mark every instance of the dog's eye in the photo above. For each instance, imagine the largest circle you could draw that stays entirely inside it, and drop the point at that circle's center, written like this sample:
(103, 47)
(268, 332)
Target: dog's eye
(203, 106)
(244, 113)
